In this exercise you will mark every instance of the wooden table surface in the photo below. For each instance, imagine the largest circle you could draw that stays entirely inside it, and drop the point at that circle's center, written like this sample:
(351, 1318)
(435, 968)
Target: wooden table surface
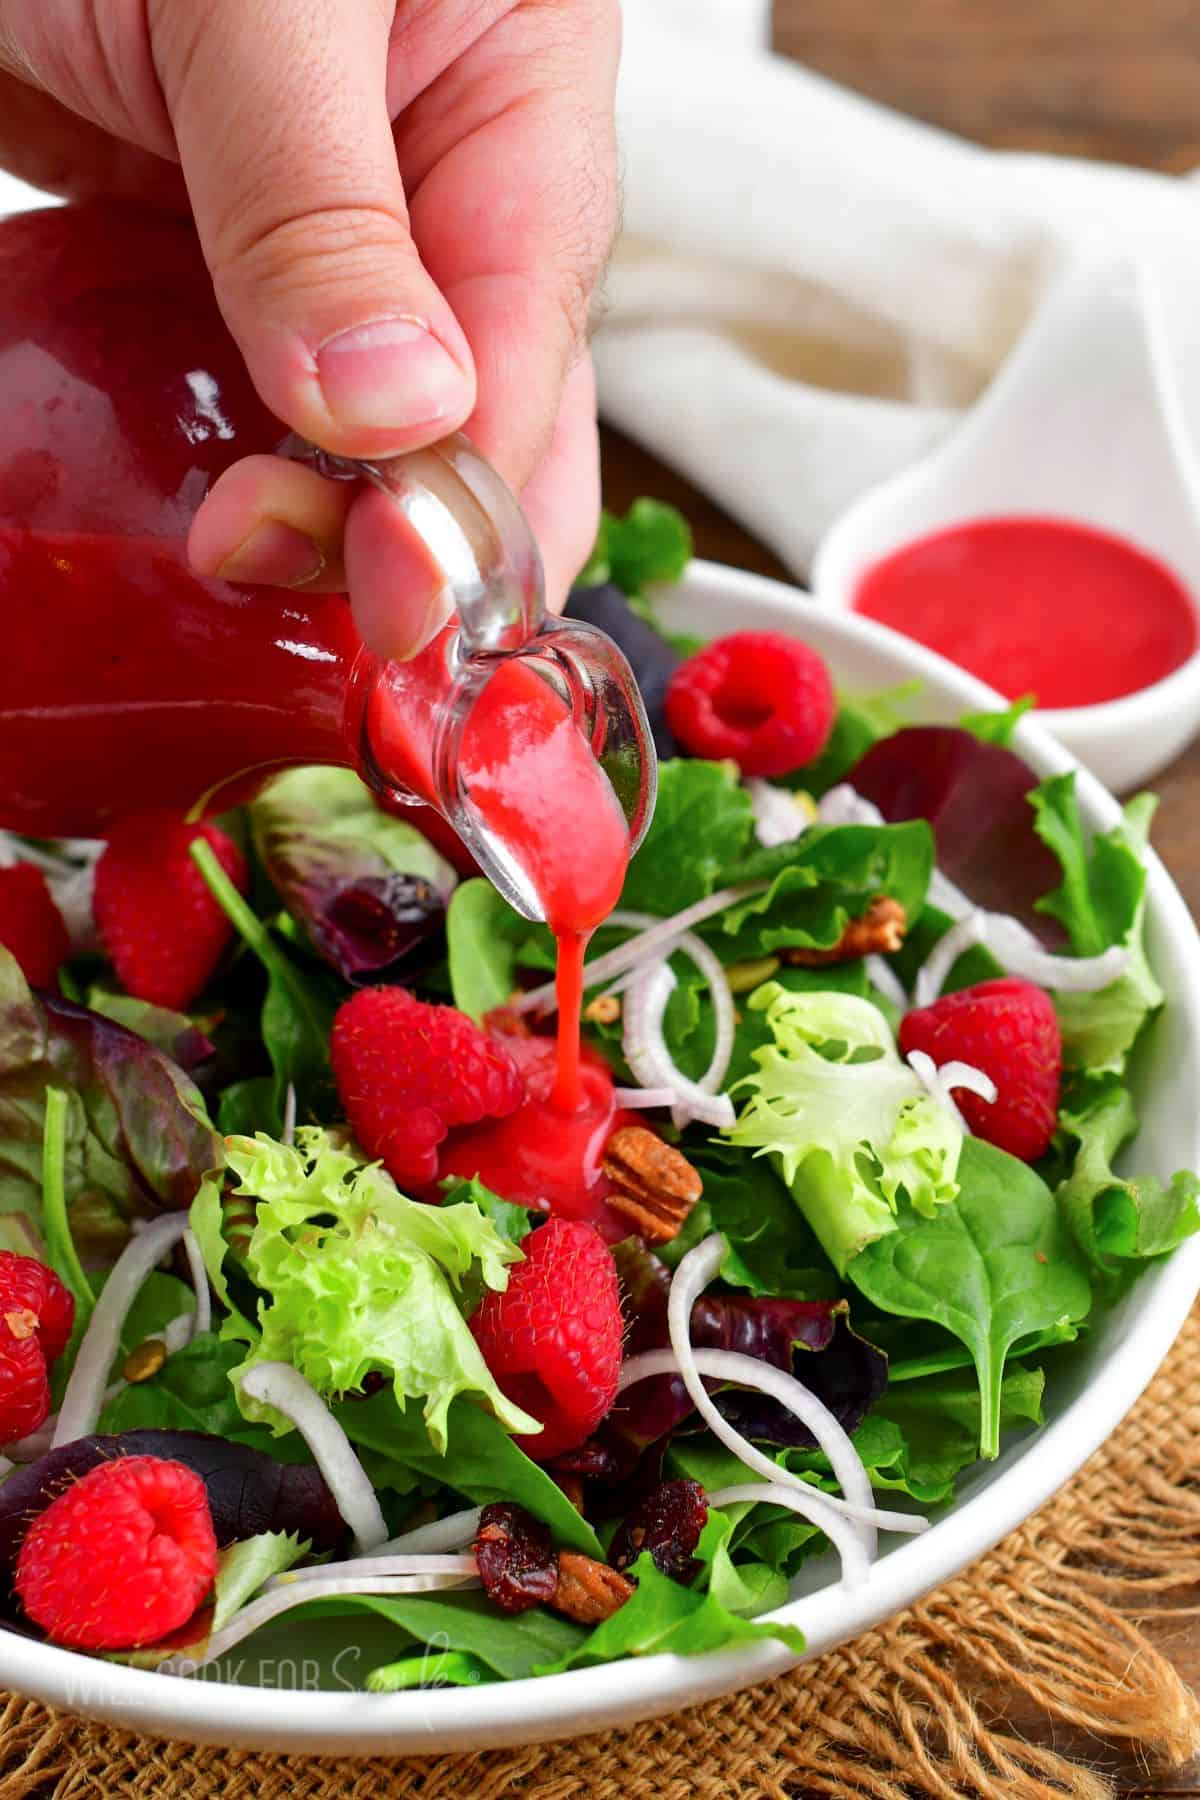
(1083, 77)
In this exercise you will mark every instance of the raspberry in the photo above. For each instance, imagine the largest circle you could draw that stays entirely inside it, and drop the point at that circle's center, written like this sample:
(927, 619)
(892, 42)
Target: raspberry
(162, 929)
(36, 1316)
(763, 699)
(552, 1339)
(31, 926)
(407, 1071)
(123, 1557)
(1007, 1028)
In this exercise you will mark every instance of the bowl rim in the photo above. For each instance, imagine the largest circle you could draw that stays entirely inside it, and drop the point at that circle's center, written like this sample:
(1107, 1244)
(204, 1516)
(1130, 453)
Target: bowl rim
(354, 1723)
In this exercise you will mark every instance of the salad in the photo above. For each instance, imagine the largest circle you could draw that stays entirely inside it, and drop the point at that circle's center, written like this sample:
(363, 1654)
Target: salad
(315, 1303)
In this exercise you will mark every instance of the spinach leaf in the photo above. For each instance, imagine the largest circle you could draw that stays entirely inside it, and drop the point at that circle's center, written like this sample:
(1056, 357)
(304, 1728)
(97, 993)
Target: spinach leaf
(482, 955)
(511, 1646)
(992, 1268)
(192, 1392)
(481, 1460)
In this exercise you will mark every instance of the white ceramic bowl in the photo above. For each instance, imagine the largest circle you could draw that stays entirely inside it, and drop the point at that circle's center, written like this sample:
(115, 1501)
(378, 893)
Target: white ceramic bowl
(1085, 1399)
(1085, 424)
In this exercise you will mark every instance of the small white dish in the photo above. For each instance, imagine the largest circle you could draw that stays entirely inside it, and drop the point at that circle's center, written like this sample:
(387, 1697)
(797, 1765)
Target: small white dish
(1084, 424)
(1086, 1396)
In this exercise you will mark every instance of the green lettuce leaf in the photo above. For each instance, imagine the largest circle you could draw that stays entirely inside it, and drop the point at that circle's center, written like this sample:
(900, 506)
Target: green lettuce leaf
(652, 543)
(818, 882)
(360, 1278)
(772, 1251)
(701, 828)
(998, 727)
(297, 1013)
(934, 1426)
(138, 1140)
(1101, 901)
(846, 1122)
(1116, 1221)
(994, 1268)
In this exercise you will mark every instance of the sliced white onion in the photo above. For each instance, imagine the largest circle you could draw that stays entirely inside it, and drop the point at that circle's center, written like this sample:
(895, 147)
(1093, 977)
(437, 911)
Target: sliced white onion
(277, 1384)
(84, 1396)
(269, 1605)
(650, 945)
(843, 806)
(644, 1099)
(881, 975)
(812, 1506)
(1016, 947)
(780, 816)
(698, 1268)
(1017, 950)
(938, 1078)
(288, 1135)
(934, 971)
(646, 1052)
(379, 1563)
(202, 1317)
(751, 1372)
(724, 1010)
(450, 1533)
(948, 898)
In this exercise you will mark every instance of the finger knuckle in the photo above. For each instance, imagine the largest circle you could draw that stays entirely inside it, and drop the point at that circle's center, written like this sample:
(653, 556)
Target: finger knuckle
(325, 253)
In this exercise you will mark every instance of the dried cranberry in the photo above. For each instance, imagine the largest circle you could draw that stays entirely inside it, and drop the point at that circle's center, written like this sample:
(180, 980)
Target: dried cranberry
(667, 1523)
(591, 1459)
(517, 1562)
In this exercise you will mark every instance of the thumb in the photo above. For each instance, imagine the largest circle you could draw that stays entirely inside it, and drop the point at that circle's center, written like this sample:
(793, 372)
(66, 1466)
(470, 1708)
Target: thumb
(280, 116)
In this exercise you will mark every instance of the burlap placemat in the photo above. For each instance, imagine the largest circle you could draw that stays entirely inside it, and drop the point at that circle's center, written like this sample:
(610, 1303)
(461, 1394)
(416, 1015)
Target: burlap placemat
(1044, 1630)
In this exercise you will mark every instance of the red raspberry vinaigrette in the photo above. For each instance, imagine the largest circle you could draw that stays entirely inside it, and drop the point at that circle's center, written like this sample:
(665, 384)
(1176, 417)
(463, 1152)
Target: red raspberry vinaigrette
(1046, 607)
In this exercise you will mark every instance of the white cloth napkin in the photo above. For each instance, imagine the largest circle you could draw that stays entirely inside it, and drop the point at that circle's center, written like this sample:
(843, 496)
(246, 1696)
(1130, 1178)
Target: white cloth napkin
(809, 289)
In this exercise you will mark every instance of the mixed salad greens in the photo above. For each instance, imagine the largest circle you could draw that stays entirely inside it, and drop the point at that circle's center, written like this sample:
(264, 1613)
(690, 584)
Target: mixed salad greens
(865, 1298)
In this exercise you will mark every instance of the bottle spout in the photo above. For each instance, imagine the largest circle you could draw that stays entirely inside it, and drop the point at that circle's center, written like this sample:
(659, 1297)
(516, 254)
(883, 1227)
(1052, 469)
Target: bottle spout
(505, 661)
(470, 529)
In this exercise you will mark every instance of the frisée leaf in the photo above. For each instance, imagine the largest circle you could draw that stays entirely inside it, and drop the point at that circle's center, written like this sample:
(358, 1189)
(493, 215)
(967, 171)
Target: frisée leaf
(359, 1278)
(847, 1124)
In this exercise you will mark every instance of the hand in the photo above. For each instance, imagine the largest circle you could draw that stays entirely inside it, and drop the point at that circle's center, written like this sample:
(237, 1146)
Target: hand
(404, 209)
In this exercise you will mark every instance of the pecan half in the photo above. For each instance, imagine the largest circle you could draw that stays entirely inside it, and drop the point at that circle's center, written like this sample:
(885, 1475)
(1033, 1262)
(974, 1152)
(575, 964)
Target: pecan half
(880, 930)
(653, 1186)
(588, 1591)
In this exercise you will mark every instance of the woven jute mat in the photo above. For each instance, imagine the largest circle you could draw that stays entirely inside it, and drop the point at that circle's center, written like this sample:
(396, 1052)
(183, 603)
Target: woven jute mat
(1046, 1630)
